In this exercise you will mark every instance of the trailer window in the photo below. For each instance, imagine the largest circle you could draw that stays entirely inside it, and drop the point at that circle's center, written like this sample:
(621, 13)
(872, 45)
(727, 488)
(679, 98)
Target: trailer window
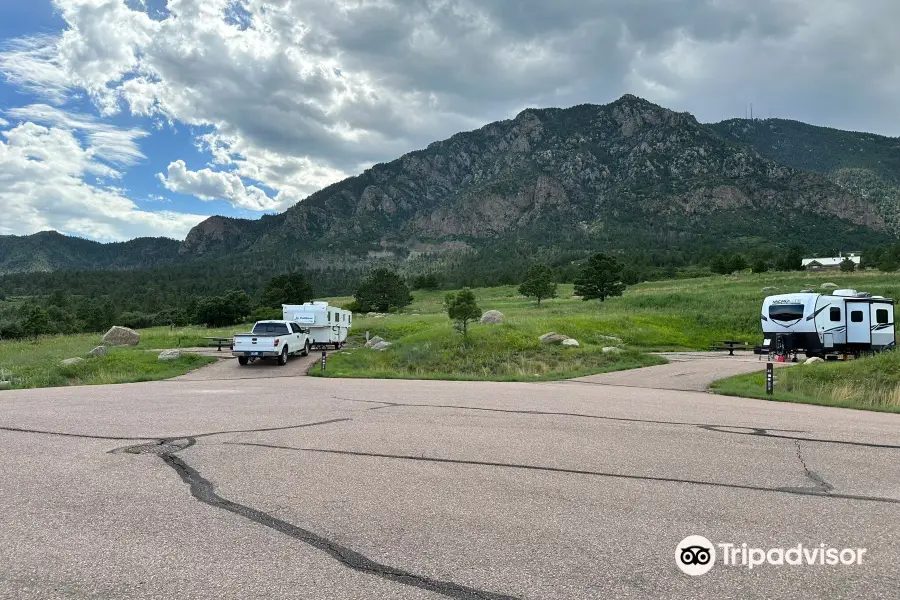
(881, 316)
(270, 329)
(856, 316)
(786, 312)
(329, 316)
(835, 313)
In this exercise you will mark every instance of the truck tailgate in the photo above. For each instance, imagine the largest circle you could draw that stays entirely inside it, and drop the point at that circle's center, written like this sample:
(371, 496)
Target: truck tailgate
(254, 343)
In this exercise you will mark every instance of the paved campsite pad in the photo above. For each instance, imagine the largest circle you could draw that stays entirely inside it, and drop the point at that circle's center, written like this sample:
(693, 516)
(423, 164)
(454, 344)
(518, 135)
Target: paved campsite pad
(324, 488)
(688, 371)
(228, 367)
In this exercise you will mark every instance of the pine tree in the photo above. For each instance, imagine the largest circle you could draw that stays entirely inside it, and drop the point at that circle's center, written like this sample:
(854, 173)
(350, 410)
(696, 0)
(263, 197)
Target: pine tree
(538, 283)
(600, 277)
(462, 309)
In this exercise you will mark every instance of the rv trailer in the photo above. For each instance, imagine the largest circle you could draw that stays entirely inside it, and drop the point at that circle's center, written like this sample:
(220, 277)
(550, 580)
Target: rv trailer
(845, 322)
(328, 325)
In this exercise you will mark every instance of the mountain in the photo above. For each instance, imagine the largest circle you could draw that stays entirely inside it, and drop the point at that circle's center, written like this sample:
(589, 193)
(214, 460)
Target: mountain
(51, 251)
(865, 164)
(630, 174)
(553, 183)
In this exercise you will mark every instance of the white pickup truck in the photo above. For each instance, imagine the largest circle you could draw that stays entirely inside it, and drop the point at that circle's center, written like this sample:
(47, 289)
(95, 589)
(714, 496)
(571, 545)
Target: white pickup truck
(271, 339)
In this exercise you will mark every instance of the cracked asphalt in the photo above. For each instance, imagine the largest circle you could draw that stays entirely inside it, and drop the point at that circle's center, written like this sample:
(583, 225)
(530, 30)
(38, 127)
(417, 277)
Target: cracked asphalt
(359, 489)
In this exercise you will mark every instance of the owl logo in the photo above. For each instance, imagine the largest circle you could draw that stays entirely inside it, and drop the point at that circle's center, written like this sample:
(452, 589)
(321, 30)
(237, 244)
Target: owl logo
(695, 555)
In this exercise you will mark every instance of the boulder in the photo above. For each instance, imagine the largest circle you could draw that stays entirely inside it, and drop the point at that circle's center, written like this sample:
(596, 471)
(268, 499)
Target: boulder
(373, 341)
(553, 338)
(70, 362)
(5, 385)
(167, 355)
(813, 360)
(769, 289)
(610, 350)
(610, 338)
(121, 336)
(171, 354)
(829, 286)
(572, 343)
(381, 346)
(492, 317)
(98, 351)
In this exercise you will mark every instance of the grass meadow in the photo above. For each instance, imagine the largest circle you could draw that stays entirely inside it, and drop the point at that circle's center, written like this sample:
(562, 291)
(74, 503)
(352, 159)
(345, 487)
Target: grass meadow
(656, 316)
(687, 314)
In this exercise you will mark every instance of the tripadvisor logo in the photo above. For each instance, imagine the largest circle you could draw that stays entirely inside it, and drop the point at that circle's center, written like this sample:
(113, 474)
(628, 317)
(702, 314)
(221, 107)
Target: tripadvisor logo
(696, 555)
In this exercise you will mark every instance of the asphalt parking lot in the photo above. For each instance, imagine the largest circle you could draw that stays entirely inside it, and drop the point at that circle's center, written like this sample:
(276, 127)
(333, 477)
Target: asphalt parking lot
(294, 487)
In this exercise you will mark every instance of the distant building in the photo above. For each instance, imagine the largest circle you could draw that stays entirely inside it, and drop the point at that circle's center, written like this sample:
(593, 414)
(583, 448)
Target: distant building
(832, 262)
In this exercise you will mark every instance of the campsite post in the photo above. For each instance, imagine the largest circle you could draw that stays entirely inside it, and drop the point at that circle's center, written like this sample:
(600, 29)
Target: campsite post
(323, 361)
(770, 379)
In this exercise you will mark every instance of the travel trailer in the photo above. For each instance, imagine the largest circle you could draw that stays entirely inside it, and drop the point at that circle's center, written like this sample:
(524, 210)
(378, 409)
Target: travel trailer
(328, 325)
(846, 322)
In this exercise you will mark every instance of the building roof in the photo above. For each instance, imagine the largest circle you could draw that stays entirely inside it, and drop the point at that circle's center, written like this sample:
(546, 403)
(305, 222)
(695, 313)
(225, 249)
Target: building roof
(833, 261)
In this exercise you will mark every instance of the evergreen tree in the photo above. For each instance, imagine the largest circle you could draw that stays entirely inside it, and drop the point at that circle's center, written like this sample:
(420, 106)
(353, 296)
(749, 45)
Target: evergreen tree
(848, 266)
(759, 266)
(462, 309)
(35, 320)
(538, 283)
(382, 290)
(792, 260)
(291, 288)
(600, 277)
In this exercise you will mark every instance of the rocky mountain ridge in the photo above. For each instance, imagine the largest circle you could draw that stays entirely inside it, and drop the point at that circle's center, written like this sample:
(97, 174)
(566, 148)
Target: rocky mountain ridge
(629, 174)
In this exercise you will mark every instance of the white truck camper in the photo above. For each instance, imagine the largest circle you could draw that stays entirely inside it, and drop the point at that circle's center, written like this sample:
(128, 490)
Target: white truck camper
(846, 322)
(328, 325)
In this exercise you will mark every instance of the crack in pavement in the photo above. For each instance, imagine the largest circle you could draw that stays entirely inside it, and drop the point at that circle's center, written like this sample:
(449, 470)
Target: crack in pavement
(204, 491)
(821, 486)
(77, 435)
(798, 491)
(726, 429)
(161, 439)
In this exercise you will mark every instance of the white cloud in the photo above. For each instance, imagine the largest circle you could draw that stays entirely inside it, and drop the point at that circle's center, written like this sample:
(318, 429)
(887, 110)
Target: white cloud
(110, 143)
(211, 185)
(301, 93)
(42, 186)
(34, 64)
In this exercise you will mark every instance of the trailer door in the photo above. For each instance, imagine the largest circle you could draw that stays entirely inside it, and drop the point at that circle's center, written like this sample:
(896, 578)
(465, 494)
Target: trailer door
(859, 322)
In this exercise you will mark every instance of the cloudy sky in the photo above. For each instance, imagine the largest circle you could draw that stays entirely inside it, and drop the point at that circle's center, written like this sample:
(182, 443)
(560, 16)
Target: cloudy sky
(127, 118)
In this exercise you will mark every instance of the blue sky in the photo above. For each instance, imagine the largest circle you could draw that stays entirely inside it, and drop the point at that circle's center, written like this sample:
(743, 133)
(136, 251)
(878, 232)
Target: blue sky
(166, 140)
(126, 118)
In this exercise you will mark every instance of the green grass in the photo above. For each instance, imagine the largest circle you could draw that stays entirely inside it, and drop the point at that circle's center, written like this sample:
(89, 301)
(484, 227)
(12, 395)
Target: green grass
(498, 353)
(35, 363)
(686, 314)
(871, 383)
(657, 316)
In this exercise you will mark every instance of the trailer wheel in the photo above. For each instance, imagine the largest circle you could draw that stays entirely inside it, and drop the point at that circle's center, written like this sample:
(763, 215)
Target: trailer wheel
(243, 360)
(305, 349)
(282, 358)
(337, 345)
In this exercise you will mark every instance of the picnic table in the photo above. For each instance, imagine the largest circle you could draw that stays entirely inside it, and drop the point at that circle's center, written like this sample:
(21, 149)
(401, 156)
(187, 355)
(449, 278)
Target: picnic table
(729, 345)
(219, 341)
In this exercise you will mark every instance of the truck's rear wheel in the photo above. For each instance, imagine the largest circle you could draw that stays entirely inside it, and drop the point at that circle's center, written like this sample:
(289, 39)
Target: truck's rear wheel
(282, 358)
(305, 349)
(243, 360)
